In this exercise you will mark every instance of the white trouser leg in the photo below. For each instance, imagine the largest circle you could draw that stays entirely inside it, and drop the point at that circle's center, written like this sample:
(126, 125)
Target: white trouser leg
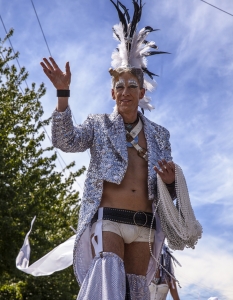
(138, 287)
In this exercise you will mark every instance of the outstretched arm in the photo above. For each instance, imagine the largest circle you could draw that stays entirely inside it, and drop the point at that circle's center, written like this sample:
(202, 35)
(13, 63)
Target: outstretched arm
(65, 135)
(60, 80)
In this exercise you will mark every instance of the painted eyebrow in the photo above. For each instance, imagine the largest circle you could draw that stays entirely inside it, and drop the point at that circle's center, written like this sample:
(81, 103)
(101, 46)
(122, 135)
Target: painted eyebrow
(133, 82)
(120, 83)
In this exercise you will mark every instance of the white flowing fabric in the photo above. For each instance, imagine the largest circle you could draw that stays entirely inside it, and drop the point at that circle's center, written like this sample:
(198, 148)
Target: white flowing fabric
(58, 259)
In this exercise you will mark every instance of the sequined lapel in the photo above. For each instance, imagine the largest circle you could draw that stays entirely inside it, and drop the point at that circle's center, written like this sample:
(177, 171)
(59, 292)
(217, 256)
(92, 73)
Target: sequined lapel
(116, 134)
(153, 149)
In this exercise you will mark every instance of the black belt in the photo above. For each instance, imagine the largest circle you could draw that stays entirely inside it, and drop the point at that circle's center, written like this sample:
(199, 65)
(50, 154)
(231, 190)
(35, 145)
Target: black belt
(139, 218)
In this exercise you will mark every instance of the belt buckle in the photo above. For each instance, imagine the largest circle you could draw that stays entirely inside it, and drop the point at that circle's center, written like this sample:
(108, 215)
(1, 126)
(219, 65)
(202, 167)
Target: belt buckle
(134, 216)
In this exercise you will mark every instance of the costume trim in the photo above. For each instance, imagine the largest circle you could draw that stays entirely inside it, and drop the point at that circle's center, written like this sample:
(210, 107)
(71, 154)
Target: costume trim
(58, 259)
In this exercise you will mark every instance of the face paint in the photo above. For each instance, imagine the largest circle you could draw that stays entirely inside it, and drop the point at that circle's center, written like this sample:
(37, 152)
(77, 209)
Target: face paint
(127, 93)
(120, 84)
(132, 83)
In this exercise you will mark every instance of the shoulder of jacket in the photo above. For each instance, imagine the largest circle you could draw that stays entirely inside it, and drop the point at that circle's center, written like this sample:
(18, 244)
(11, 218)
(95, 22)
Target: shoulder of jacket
(159, 128)
(98, 117)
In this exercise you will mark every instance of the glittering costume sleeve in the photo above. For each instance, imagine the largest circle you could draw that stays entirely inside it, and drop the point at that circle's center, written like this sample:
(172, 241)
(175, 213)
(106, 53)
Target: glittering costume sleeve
(70, 138)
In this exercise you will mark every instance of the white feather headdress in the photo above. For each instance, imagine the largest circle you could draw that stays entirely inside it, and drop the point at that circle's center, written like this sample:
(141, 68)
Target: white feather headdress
(133, 47)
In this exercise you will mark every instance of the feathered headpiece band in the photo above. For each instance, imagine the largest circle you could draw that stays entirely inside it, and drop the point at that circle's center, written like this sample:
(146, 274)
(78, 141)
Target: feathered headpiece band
(133, 47)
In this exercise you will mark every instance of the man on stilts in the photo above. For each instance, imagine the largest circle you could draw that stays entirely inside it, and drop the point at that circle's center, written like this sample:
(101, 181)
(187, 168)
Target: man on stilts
(123, 215)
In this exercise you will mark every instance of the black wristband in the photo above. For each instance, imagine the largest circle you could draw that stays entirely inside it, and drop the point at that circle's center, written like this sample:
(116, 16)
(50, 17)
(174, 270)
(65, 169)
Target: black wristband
(169, 185)
(63, 93)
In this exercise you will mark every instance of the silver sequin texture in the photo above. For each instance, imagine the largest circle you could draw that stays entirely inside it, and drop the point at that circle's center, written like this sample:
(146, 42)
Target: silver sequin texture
(105, 136)
(105, 279)
(138, 287)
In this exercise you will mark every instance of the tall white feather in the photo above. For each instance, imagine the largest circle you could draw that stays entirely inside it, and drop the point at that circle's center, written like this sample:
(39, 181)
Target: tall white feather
(134, 58)
(120, 58)
(149, 84)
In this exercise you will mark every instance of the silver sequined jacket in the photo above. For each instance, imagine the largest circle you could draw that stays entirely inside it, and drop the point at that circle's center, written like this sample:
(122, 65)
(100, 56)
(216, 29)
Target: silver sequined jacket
(104, 135)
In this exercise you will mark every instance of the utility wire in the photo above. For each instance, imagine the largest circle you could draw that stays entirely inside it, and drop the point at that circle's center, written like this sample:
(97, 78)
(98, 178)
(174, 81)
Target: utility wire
(217, 8)
(13, 52)
(58, 154)
(12, 47)
(41, 28)
(45, 40)
(51, 56)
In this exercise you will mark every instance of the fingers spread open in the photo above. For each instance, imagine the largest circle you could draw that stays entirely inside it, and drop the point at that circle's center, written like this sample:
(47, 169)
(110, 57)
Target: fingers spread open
(54, 64)
(48, 64)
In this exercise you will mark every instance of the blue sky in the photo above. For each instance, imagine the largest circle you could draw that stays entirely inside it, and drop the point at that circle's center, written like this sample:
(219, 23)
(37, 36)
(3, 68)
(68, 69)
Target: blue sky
(193, 100)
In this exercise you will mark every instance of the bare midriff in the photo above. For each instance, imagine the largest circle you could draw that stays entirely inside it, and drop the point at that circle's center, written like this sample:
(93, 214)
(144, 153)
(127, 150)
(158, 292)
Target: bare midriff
(132, 193)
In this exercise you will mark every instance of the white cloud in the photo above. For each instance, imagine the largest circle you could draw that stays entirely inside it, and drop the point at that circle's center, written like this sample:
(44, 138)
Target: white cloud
(207, 269)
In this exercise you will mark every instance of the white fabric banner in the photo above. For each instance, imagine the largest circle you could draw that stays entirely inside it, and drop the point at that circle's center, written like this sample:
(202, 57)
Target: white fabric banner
(58, 259)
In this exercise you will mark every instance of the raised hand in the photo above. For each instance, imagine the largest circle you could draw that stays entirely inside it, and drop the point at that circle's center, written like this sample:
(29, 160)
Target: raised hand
(59, 79)
(167, 171)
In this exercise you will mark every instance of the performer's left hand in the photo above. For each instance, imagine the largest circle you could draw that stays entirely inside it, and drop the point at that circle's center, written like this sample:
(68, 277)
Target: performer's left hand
(167, 171)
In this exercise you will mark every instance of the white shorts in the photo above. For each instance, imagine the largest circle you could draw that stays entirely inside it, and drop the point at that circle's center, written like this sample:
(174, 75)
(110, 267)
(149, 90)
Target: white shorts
(129, 233)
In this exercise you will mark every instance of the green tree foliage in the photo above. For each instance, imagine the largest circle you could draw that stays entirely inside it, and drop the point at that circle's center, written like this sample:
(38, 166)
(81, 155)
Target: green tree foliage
(30, 185)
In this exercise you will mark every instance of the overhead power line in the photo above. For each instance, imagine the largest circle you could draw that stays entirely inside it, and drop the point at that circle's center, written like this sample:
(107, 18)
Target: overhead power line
(24, 80)
(57, 152)
(217, 8)
(51, 56)
(50, 53)
(41, 28)
(12, 49)
(45, 39)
